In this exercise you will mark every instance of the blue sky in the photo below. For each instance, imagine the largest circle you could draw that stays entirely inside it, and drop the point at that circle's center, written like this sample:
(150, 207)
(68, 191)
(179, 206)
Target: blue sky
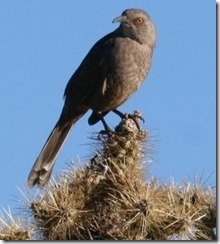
(43, 42)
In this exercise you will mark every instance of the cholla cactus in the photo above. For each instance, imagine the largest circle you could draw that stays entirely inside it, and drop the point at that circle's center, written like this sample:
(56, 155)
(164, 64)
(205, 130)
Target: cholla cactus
(110, 198)
(13, 229)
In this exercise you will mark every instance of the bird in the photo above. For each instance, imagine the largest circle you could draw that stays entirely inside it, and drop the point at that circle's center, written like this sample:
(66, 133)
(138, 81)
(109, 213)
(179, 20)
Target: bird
(114, 68)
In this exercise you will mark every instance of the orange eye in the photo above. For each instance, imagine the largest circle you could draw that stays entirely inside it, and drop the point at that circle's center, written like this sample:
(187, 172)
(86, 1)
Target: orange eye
(138, 21)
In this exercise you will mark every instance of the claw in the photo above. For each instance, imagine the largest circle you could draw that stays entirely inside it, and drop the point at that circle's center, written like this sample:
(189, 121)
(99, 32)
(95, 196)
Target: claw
(107, 132)
(138, 115)
(135, 117)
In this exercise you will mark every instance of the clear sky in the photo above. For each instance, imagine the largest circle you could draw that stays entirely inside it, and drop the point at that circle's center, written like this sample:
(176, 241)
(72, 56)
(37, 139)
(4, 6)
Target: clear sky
(42, 42)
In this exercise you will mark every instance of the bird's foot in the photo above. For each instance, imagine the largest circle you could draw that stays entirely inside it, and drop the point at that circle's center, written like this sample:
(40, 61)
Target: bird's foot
(129, 123)
(136, 116)
(106, 132)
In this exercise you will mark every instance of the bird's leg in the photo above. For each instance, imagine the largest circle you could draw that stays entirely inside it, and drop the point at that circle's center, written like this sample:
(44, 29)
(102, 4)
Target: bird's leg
(134, 116)
(120, 114)
(107, 129)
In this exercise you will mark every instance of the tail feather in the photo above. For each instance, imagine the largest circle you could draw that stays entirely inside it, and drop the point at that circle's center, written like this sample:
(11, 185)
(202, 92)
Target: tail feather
(43, 166)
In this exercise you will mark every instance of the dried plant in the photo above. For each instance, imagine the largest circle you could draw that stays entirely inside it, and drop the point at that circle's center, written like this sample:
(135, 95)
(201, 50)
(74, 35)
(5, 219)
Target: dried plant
(111, 198)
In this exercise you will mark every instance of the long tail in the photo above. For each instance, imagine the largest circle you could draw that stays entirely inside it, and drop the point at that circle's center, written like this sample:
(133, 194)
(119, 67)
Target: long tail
(43, 166)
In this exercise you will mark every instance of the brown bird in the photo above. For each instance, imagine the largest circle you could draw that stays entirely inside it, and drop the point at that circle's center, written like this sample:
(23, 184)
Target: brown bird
(111, 72)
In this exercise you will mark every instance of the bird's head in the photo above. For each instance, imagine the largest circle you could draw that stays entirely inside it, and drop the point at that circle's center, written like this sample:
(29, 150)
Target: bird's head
(136, 24)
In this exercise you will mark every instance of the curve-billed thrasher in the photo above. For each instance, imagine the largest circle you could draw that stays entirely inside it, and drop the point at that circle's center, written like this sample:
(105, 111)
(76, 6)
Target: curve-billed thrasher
(110, 73)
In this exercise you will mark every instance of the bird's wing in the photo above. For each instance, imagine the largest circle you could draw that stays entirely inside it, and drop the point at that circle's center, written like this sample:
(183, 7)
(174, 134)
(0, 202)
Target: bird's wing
(91, 72)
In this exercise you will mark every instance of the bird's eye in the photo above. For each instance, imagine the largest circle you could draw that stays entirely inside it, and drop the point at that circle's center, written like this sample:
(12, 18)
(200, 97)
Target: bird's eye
(138, 21)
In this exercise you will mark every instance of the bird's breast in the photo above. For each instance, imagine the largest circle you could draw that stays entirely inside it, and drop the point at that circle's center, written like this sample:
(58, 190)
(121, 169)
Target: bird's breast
(128, 65)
